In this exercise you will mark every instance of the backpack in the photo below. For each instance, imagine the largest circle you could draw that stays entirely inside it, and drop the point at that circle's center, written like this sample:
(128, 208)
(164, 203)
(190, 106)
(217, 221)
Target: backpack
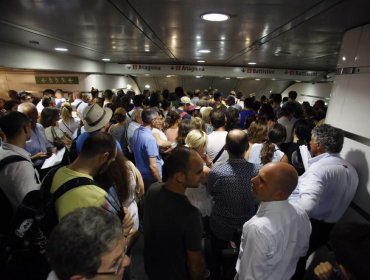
(6, 209)
(24, 244)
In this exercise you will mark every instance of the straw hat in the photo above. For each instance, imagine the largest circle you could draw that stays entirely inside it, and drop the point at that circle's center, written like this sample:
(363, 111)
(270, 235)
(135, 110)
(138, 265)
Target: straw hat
(96, 117)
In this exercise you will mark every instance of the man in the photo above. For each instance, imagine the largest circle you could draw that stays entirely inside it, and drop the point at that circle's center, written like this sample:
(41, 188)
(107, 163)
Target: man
(327, 187)
(246, 112)
(89, 243)
(17, 178)
(275, 238)
(185, 104)
(98, 151)
(217, 138)
(288, 120)
(78, 104)
(172, 226)
(133, 125)
(38, 145)
(146, 150)
(46, 94)
(230, 186)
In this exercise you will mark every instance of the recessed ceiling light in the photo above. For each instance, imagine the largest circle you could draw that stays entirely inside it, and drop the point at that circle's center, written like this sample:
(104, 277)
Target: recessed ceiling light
(297, 81)
(227, 78)
(198, 37)
(204, 51)
(215, 17)
(223, 38)
(252, 63)
(257, 79)
(273, 79)
(198, 77)
(168, 76)
(147, 86)
(114, 47)
(201, 61)
(105, 59)
(61, 49)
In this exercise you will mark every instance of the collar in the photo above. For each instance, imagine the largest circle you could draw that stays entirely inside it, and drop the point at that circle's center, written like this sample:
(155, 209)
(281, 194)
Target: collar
(319, 157)
(267, 206)
(16, 149)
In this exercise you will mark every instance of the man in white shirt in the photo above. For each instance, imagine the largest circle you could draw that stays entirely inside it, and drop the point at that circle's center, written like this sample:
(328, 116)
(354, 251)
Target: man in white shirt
(78, 104)
(217, 139)
(327, 187)
(278, 235)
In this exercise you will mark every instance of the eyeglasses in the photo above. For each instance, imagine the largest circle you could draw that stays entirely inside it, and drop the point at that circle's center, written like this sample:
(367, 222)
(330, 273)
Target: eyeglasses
(117, 267)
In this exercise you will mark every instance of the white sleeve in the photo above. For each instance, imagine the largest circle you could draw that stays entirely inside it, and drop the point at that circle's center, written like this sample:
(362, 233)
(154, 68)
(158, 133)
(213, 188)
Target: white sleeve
(254, 254)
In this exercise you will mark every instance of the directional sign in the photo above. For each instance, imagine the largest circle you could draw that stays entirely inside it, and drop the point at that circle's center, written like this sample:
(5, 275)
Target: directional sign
(56, 80)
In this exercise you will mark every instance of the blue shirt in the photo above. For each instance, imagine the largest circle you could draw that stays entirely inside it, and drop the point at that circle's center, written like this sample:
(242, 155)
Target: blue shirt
(145, 147)
(38, 143)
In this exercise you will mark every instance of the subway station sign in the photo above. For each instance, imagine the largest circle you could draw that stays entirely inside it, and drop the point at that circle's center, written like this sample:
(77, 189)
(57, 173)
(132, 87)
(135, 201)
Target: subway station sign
(63, 80)
(216, 71)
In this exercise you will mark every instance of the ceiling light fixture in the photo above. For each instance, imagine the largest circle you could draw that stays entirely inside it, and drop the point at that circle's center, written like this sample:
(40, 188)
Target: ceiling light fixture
(105, 59)
(147, 86)
(257, 79)
(61, 49)
(215, 17)
(204, 51)
(252, 63)
(201, 61)
(227, 78)
(198, 77)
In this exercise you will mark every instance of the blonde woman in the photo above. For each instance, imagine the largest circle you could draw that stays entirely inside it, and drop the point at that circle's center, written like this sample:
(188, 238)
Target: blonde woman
(206, 117)
(198, 197)
(68, 124)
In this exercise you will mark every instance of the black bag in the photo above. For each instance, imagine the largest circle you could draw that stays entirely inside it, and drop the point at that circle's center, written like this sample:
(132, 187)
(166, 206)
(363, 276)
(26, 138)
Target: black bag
(23, 247)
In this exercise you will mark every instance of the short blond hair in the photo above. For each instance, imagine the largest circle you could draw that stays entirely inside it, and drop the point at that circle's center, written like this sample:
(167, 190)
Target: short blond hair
(196, 139)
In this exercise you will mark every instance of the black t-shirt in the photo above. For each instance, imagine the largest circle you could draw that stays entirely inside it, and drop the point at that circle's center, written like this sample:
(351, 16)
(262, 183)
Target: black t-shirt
(172, 226)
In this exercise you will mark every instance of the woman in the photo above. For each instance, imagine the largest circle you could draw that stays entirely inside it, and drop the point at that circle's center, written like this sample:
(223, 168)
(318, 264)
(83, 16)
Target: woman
(199, 197)
(68, 124)
(159, 135)
(269, 151)
(172, 122)
(55, 136)
(119, 129)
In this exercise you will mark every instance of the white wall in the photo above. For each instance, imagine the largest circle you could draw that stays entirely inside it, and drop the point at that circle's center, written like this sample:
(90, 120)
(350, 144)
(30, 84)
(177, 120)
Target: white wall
(103, 82)
(349, 110)
(310, 92)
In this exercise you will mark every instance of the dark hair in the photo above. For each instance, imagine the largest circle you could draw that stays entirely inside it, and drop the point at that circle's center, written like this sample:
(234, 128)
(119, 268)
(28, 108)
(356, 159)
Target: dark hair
(248, 102)
(276, 135)
(138, 100)
(48, 91)
(217, 95)
(165, 104)
(178, 160)
(179, 91)
(97, 143)
(232, 118)
(184, 128)
(302, 130)
(154, 99)
(237, 144)
(120, 114)
(172, 117)
(46, 101)
(217, 117)
(78, 242)
(9, 104)
(350, 243)
(292, 94)
(108, 94)
(49, 116)
(11, 123)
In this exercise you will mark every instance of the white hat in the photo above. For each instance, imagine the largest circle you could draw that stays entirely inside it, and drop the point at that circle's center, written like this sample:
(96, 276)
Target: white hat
(96, 117)
(185, 100)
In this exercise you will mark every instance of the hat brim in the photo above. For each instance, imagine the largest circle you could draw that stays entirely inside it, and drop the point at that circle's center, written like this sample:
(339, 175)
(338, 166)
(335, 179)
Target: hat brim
(101, 123)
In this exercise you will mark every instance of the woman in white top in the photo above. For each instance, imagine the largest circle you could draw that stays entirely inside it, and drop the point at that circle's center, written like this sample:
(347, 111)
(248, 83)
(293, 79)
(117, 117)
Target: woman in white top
(199, 197)
(68, 124)
(269, 151)
(55, 136)
(159, 135)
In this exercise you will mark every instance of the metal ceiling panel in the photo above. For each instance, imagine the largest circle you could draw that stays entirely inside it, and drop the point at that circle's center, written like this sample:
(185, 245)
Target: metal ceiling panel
(274, 33)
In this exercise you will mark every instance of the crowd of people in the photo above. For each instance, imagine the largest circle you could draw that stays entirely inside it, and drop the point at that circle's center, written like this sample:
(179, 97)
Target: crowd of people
(184, 168)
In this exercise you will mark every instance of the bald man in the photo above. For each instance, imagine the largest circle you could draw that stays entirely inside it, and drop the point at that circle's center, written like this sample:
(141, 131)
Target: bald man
(278, 235)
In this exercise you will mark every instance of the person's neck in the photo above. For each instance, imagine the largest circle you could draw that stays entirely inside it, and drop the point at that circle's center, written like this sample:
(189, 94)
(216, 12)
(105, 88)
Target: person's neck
(21, 143)
(147, 126)
(236, 156)
(83, 166)
(175, 187)
(222, 128)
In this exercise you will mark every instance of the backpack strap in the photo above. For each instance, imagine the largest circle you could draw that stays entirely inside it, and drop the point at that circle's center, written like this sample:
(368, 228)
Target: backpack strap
(78, 105)
(10, 159)
(71, 184)
(218, 155)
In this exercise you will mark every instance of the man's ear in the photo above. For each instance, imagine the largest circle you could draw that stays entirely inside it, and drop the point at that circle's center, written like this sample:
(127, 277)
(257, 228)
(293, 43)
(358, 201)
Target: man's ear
(104, 157)
(180, 177)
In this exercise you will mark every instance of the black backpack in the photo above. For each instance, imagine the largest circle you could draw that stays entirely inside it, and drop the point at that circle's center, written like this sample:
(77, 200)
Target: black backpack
(23, 246)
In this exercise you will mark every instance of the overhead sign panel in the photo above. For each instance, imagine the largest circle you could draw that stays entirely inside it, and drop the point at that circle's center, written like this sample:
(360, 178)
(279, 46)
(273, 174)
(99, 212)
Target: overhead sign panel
(216, 71)
(56, 80)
